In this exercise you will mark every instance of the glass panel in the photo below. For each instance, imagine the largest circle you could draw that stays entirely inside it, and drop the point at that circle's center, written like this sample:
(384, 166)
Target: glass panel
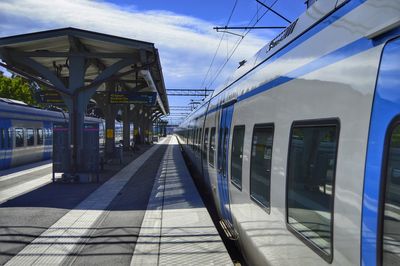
(19, 137)
(199, 143)
(391, 219)
(196, 140)
(211, 151)
(40, 136)
(311, 168)
(9, 138)
(261, 157)
(193, 137)
(224, 150)
(205, 147)
(30, 137)
(237, 155)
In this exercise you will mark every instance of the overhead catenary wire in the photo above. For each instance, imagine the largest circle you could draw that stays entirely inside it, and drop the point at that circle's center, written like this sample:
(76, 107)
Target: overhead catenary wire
(255, 17)
(238, 43)
(219, 45)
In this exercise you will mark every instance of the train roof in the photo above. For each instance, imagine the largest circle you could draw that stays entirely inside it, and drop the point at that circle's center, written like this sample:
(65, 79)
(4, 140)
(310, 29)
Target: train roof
(312, 16)
(20, 109)
(12, 101)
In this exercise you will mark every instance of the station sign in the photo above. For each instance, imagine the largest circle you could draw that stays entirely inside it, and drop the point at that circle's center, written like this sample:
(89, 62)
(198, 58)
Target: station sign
(110, 133)
(49, 96)
(127, 97)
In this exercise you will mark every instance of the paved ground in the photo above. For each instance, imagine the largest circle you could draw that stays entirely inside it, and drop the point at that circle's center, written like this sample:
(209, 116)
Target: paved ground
(114, 240)
(25, 217)
(177, 228)
(107, 223)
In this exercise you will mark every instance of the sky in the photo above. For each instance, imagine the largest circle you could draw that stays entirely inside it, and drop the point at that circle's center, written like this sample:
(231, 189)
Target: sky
(182, 30)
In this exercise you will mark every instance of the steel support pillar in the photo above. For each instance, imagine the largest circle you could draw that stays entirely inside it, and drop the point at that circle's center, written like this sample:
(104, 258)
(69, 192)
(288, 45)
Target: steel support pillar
(76, 97)
(77, 108)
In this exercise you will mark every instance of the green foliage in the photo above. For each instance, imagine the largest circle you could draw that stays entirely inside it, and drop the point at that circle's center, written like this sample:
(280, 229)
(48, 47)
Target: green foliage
(16, 88)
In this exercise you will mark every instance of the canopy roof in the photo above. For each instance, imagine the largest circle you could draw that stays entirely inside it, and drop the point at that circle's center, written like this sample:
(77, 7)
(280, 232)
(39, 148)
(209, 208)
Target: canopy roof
(52, 50)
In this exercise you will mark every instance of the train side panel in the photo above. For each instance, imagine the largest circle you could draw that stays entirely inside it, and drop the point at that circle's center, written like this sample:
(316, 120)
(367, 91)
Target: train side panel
(326, 74)
(315, 96)
(29, 150)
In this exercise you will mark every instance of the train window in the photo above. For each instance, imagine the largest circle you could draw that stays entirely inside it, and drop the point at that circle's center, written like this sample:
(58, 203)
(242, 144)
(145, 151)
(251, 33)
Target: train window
(191, 138)
(205, 145)
(391, 213)
(30, 137)
(237, 156)
(310, 183)
(211, 150)
(39, 134)
(9, 138)
(260, 166)
(19, 137)
(196, 138)
(200, 136)
(5, 138)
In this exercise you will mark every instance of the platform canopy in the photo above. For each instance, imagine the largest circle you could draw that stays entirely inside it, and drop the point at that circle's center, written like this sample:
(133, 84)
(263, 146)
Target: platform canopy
(130, 65)
(79, 64)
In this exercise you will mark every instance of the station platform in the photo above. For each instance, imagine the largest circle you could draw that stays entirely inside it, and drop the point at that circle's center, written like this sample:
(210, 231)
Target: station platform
(177, 228)
(148, 213)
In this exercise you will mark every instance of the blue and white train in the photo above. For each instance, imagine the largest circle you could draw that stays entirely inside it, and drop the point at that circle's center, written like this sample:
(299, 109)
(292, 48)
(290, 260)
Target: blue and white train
(26, 133)
(300, 148)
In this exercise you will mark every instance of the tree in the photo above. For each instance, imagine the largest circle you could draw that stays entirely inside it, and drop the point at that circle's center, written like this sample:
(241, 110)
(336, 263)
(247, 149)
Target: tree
(16, 88)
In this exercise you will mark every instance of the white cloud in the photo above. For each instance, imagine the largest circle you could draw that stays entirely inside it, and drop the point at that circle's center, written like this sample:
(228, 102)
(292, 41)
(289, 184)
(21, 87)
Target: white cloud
(186, 44)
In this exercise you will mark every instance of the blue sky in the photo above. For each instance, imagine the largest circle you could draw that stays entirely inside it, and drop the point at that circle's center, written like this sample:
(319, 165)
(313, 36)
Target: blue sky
(181, 30)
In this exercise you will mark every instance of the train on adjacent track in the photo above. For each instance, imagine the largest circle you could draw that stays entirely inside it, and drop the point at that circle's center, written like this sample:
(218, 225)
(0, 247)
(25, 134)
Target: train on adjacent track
(26, 132)
(300, 148)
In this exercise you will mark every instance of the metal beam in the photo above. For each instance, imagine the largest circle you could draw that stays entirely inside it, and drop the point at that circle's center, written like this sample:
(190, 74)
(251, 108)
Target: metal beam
(46, 53)
(44, 72)
(189, 92)
(30, 37)
(108, 73)
(28, 76)
(146, 74)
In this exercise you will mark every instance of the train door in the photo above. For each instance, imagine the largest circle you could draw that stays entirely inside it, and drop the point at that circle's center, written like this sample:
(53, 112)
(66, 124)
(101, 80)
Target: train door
(5, 144)
(2, 146)
(48, 140)
(380, 237)
(222, 177)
